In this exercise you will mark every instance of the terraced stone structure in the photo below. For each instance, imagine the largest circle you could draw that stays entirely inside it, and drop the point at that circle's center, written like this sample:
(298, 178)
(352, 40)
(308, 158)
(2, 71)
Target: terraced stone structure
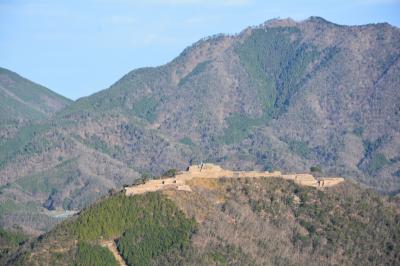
(213, 171)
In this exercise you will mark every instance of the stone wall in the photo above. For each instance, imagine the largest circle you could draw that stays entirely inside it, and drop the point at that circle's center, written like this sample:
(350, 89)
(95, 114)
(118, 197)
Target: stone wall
(215, 171)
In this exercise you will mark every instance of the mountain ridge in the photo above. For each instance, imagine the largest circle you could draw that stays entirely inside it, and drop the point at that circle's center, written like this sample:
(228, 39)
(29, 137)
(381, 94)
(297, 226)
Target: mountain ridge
(9, 84)
(24, 102)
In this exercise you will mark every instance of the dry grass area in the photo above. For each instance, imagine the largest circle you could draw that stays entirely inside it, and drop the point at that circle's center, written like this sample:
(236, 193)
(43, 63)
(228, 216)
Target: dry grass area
(205, 183)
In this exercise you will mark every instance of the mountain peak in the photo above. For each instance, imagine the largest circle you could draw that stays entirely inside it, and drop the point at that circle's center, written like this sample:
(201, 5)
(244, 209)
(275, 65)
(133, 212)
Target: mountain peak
(317, 19)
(279, 22)
(289, 22)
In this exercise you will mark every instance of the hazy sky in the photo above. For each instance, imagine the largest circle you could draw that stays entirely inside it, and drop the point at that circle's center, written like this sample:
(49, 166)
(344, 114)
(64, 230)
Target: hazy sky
(79, 47)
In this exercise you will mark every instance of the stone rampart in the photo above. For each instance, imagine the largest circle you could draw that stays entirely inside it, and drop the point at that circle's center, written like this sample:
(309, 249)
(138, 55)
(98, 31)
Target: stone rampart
(215, 171)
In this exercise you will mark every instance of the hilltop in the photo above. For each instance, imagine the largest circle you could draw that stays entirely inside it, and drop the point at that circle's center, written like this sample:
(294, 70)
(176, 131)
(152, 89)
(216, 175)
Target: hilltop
(221, 221)
(283, 95)
(180, 180)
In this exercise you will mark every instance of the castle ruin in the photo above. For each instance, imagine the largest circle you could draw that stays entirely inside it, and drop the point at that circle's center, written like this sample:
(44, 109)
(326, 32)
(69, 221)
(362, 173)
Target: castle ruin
(212, 171)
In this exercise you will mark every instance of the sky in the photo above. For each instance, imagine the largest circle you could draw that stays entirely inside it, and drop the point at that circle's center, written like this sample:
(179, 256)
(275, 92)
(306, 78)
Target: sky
(78, 47)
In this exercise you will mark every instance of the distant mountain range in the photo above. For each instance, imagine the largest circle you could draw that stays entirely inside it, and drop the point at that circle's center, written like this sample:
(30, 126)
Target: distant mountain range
(283, 95)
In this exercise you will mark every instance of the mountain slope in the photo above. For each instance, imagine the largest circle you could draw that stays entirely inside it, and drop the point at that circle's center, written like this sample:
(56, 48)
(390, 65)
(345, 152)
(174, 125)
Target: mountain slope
(24, 108)
(257, 221)
(284, 95)
(23, 101)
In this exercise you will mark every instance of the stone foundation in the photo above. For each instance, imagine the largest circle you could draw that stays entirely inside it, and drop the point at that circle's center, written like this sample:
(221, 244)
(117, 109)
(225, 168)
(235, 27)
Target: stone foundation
(215, 171)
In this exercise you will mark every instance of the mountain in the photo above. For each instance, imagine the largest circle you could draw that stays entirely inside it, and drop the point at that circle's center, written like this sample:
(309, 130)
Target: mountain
(284, 95)
(24, 109)
(239, 221)
(23, 101)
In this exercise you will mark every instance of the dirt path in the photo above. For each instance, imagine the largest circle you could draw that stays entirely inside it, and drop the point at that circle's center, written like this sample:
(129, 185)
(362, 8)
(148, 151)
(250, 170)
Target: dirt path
(113, 248)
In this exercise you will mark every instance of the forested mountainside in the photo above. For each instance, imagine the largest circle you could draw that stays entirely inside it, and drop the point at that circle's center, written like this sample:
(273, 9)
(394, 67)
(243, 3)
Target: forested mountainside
(245, 221)
(23, 101)
(284, 95)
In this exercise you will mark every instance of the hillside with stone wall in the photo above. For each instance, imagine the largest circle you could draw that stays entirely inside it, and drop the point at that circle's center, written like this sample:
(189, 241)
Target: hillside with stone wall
(212, 171)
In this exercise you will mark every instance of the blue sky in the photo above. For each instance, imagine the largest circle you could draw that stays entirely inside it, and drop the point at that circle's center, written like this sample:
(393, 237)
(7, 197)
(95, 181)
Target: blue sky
(79, 47)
